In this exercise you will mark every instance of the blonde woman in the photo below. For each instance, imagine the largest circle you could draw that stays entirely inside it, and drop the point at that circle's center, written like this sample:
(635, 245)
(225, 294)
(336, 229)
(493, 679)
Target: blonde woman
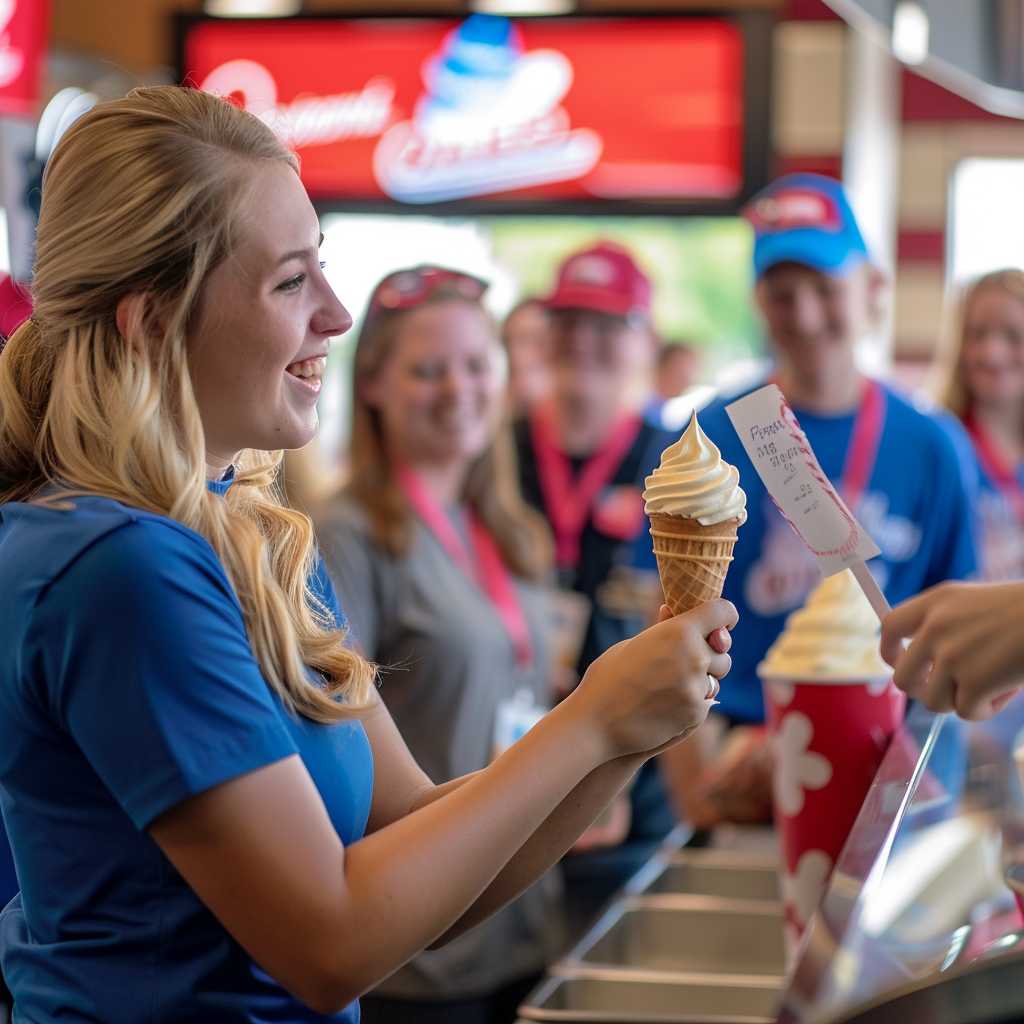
(212, 814)
(983, 385)
(439, 563)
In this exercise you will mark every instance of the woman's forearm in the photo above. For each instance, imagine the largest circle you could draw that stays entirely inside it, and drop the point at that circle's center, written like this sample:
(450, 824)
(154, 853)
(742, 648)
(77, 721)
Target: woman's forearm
(550, 842)
(432, 866)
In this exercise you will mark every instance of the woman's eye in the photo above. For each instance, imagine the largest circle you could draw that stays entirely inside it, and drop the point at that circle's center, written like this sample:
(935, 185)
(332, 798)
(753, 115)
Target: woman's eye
(323, 264)
(293, 284)
(427, 371)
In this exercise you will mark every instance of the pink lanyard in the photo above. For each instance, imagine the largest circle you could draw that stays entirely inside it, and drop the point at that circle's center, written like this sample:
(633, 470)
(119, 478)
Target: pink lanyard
(568, 502)
(996, 466)
(483, 565)
(864, 441)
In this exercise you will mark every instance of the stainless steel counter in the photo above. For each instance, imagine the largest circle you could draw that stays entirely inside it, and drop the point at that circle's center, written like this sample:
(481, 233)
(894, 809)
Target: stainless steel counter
(695, 938)
(916, 924)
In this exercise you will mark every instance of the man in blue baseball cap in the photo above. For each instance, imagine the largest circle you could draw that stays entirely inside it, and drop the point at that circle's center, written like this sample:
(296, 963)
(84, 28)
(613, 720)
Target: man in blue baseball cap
(905, 473)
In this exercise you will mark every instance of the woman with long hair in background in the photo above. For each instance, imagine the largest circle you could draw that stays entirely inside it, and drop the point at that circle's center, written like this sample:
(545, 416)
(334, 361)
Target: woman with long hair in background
(440, 565)
(212, 814)
(983, 385)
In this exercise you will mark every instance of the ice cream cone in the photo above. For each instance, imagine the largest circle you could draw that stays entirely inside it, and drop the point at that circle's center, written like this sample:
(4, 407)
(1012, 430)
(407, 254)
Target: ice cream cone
(693, 559)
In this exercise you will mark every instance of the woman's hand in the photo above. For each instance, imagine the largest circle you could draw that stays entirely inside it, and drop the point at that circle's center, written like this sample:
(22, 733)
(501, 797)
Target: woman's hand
(967, 648)
(652, 690)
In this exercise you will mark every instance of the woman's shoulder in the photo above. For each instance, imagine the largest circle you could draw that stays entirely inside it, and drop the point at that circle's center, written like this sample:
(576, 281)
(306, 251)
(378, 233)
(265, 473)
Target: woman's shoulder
(344, 516)
(44, 542)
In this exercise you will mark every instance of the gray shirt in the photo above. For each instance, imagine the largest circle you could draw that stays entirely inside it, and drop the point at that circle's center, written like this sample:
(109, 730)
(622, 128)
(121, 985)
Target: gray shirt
(447, 664)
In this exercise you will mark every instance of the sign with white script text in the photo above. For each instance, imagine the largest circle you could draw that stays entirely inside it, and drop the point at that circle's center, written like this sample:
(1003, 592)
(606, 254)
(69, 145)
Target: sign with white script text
(787, 465)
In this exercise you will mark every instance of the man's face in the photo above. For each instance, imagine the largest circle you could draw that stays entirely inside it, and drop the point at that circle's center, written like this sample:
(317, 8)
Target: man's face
(595, 357)
(815, 319)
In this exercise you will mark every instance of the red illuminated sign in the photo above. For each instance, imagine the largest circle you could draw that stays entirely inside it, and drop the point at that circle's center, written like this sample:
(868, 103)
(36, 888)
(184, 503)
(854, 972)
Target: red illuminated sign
(427, 111)
(23, 25)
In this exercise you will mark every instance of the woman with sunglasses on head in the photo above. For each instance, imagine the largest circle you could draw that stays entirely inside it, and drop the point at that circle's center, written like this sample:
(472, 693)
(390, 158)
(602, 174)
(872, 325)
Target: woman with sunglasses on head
(212, 814)
(439, 565)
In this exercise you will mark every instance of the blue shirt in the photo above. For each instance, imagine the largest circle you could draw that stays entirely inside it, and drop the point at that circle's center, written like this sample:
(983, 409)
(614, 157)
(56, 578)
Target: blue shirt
(127, 685)
(916, 506)
(8, 879)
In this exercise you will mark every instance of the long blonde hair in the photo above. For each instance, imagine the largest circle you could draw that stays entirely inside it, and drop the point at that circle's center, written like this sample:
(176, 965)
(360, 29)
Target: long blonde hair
(142, 196)
(951, 388)
(491, 488)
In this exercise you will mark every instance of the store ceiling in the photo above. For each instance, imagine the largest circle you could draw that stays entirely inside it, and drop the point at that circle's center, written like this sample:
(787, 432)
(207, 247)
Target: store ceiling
(137, 35)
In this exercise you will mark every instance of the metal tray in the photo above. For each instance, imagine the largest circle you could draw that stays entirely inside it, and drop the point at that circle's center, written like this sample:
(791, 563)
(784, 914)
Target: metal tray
(646, 998)
(727, 875)
(691, 934)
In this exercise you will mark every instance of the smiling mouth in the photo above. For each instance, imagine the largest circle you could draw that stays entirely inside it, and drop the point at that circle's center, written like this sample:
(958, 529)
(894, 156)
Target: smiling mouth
(308, 373)
(308, 368)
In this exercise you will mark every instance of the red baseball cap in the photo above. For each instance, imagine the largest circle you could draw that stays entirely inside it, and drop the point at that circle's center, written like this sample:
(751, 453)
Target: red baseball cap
(604, 278)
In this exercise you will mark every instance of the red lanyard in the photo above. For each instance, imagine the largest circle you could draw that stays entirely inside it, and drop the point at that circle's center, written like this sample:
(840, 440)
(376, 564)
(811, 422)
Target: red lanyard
(996, 466)
(864, 441)
(569, 502)
(483, 565)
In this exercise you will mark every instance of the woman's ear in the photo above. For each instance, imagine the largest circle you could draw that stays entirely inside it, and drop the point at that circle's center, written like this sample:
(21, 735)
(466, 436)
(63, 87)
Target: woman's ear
(878, 294)
(131, 315)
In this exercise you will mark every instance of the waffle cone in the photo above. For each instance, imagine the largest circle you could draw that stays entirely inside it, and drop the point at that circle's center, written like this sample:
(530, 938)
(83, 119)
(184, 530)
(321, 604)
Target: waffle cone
(693, 560)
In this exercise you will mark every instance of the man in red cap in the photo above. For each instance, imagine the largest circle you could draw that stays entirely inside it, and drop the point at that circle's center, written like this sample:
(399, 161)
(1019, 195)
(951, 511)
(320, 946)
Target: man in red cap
(583, 457)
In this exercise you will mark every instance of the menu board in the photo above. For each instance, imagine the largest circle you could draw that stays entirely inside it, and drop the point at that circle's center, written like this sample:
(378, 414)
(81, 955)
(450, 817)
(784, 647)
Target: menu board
(425, 111)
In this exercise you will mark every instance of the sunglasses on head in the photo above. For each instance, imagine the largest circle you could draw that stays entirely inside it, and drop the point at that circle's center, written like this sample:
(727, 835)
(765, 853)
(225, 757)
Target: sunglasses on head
(405, 289)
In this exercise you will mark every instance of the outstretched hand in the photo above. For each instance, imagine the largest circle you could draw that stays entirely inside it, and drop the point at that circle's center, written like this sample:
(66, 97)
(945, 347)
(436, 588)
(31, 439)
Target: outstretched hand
(966, 651)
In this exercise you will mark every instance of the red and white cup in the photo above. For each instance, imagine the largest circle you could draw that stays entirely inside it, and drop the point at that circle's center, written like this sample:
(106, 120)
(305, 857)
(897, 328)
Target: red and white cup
(829, 739)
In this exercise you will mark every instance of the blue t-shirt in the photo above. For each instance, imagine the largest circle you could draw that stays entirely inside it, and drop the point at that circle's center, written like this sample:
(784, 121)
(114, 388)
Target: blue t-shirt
(127, 685)
(8, 878)
(1001, 532)
(917, 506)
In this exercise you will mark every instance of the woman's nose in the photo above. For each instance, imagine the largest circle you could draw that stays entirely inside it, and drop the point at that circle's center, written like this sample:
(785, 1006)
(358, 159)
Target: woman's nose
(455, 382)
(332, 318)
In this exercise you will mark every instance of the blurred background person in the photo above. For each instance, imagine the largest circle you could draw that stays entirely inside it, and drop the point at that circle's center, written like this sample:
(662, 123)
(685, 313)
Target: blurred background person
(676, 370)
(902, 472)
(439, 565)
(526, 335)
(983, 385)
(583, 457)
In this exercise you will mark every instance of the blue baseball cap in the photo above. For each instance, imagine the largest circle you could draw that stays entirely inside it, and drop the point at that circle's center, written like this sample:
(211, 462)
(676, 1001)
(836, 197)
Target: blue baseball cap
(807, 219)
